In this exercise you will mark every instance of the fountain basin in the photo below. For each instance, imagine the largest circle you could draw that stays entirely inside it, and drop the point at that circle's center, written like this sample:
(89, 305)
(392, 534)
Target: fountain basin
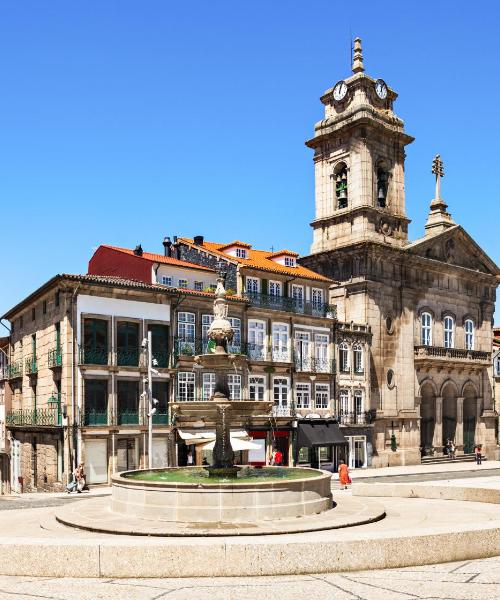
(272, 493)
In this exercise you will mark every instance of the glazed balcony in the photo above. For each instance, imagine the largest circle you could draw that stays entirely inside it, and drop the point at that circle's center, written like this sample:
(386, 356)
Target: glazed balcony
(31, 365)
(439, 354)
(54, 358)
(93, 355)
(292, 305)
(36, 417)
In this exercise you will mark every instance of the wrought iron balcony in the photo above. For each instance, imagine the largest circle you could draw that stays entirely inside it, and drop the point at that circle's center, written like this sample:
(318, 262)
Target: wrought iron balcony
(356, 418)
(127, 417)
(291, 305)
(31, 365)
(94, 418)
(281, 355)
(15, 369)
(93, 355)
(439, 353)
(284, 411)
(55, 358)
(39, 417)
(314, 365)
(128, 357)
(160, 418)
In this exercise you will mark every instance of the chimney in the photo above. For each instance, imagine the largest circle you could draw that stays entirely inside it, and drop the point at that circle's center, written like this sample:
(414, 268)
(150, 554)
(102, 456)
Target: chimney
(175, 248)
(167, 245)
(138, 250)
(198, 240)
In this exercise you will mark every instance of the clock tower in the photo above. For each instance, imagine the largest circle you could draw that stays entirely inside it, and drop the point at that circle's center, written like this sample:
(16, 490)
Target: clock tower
(359, 152)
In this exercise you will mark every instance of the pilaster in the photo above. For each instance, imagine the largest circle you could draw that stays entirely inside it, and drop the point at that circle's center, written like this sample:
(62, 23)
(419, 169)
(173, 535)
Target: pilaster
(437, 440)
(459, 431)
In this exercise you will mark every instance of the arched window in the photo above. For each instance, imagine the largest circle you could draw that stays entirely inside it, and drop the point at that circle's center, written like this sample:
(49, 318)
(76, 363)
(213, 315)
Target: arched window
(344, 357)
(358, 358)
(449, 332)
(382, 179)
(469, 334)
(358, 406)
(426, 329)
(341, 185)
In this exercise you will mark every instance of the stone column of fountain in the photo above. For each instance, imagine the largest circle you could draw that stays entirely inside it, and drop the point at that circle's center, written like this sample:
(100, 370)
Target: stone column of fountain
(221, 333)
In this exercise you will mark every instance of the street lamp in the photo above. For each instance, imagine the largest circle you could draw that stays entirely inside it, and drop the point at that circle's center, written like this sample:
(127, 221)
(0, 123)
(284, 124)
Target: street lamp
(148, 392)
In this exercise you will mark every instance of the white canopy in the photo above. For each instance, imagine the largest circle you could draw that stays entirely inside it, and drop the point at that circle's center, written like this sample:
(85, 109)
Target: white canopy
(207, 436)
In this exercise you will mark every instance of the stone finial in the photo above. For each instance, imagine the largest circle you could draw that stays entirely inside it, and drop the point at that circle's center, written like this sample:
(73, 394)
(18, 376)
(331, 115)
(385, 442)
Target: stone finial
(439, 219)
(357, 61)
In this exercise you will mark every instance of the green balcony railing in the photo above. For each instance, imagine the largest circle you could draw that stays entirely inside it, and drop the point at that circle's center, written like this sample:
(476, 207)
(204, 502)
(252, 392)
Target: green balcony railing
(127, 357)
(128, 417)
(160, 418)
(54, 358)
(94, 417)
(31, 365)
(315, 309)
(93, 355)
(15, 369)
(44, 417)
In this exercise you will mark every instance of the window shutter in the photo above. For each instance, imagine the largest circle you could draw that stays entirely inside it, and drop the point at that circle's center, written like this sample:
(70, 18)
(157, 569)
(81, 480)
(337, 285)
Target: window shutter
(264, 286)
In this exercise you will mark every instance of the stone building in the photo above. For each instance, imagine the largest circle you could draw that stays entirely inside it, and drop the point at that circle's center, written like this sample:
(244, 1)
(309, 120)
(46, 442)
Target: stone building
(428, 303)
(4, 407)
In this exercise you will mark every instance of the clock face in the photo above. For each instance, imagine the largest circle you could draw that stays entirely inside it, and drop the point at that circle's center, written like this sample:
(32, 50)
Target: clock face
(340, 90)
(381, 89)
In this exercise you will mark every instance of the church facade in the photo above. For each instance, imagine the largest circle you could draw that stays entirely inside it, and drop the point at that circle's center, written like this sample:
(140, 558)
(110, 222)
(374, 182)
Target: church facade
(428, 303)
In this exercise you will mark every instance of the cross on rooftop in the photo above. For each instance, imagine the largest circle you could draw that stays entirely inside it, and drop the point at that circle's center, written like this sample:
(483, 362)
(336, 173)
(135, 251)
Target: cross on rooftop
(438, 170)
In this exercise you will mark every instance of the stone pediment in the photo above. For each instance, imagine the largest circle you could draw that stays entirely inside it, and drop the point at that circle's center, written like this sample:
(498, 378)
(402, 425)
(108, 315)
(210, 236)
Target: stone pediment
(455, 247)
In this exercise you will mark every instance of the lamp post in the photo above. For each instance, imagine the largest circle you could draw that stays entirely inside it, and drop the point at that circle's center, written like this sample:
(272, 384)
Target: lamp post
(148, 393)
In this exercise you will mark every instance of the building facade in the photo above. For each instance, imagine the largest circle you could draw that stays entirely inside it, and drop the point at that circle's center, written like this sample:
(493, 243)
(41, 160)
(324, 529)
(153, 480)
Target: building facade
(428, 303)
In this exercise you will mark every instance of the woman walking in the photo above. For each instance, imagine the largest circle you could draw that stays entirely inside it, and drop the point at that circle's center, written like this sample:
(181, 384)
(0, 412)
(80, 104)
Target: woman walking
(344, 475)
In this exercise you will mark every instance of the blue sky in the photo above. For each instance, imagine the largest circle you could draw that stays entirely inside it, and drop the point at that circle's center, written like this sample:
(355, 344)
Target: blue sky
(125, 121)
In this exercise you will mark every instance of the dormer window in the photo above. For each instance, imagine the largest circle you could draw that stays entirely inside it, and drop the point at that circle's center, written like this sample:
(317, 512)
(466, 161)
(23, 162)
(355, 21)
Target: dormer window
(341, 186)
(241, 253)
(382, 179)
(290, 261)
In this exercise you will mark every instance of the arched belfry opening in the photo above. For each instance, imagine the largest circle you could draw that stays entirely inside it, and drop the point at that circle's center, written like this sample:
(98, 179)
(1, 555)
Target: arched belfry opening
(382, 185)
(341, 186)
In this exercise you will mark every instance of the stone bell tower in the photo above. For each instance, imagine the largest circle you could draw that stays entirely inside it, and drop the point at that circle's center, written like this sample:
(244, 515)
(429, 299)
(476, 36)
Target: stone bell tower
(359, 152)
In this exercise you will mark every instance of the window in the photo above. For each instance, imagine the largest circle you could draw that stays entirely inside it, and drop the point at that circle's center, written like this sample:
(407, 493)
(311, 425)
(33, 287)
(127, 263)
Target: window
(290, 261)
(57, 329)
(317, 298)
(159, 344)
(167, 281)
(497, 365)
(256, 339)
(358, 402)
(321, 353)
(95, 342)
(44, 307)
(128, 402)
(252, 285)
(275, 288)
(235, 345)
(257, 388)
(127, 347)
(206, 321)
(449, 332)
(298, 296)
(358, 358)
(57, 298)
(280, 391)
(343, 403)
(96, 402)
(183, 283)
(241, 253)
(382, 179)
(341, 186)
(208, 385)
(186, 326)
(234, 383)
(303, 395)
(344, 357)
(469, 334)
(426, 332)
(280, 342)
(302, 351)
(185, 387)
(198, 286)
(321, 395)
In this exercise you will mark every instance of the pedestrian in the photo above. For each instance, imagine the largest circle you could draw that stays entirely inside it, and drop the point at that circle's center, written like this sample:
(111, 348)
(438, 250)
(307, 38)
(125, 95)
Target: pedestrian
(477, 452)
(278, 458)
(452, 449)
(72, 485)
(344, 475)
(80, 485)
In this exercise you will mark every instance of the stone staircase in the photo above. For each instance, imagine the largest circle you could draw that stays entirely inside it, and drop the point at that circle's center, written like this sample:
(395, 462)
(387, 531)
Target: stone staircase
(439, 460)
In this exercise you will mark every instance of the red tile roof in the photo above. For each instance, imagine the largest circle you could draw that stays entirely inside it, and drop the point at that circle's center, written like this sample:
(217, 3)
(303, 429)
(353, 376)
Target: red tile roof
(259, 259)
(159, 258)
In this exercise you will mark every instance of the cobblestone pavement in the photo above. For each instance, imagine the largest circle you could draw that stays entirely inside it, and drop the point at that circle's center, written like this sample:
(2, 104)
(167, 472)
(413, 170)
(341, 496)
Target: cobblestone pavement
(471, 580)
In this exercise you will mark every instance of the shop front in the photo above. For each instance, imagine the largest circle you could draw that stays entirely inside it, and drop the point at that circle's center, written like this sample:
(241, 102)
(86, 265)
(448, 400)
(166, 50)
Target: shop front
(320, 444)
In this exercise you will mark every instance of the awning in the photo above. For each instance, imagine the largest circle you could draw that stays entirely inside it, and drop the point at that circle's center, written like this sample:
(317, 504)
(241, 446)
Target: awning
(314, 434)
(237, 444)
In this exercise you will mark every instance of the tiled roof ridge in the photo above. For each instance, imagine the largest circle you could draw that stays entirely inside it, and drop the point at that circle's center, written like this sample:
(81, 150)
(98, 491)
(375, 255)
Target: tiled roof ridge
(284, 251)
